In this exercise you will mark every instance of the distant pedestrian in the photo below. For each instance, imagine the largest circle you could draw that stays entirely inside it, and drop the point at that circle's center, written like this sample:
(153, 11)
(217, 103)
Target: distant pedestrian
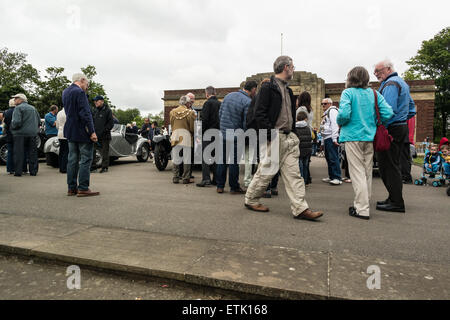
(79, 131)
(210, 120)
(396, 92)
(330, 139)
(50, 122)
(275, 109)
(304, 134)
(182, 122)
(304, 104)
(25, 127)
(7, 118)
(358, 120)
(103, 123)
(232, 116)
(63, 144)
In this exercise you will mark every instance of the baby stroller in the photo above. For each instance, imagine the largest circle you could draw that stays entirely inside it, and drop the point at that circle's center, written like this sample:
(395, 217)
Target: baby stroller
(432, 170)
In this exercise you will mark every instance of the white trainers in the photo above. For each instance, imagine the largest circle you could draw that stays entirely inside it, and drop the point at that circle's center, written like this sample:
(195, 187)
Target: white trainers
(326, 180)
(336, 182)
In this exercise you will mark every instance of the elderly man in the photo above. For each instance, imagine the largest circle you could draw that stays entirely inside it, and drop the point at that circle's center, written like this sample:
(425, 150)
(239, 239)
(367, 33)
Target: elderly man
(396, 92)
(182, 122)
(9, 139)
(50, 122)
(330, 136)
(103, 123)
(79, 131)
(144, 131)
(24, 128)
(275, 110)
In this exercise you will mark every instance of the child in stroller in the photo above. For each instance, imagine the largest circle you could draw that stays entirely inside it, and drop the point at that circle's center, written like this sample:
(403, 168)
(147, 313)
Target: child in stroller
(433, 168)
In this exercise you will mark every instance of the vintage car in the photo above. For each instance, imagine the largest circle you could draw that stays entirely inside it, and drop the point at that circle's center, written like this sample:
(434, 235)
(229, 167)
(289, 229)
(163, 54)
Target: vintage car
(122, 144)
(40, 141)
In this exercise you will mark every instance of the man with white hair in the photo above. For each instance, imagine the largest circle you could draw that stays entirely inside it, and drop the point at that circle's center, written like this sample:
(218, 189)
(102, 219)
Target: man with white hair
(24, 128)
(9, 139)
(330, 137)
(182, 122)
(396, 92)
(79, 131)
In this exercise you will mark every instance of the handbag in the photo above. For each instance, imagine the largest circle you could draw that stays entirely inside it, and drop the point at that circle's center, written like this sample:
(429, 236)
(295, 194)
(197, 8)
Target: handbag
(382, 140)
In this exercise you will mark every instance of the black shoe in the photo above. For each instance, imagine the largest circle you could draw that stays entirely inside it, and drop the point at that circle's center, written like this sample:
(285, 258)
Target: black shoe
(104, 170)
(93, 170)
(390, 207)
(407, 181)
(380, 203)
(176, 180)
(352, 212)
(214, 183)
(274, 192)
(17, 175)
(204, 184)
(33, 174)
(267, 194)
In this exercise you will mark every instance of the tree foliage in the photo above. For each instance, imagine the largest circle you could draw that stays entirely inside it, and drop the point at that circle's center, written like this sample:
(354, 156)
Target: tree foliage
(432, 62)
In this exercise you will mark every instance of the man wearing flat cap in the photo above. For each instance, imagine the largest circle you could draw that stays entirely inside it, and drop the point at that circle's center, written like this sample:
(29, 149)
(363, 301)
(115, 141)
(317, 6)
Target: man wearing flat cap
(103, 123)
(24, 128)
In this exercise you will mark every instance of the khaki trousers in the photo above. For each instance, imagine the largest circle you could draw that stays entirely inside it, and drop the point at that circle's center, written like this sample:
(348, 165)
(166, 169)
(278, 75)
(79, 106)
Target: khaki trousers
(289, 153)
(360, 164)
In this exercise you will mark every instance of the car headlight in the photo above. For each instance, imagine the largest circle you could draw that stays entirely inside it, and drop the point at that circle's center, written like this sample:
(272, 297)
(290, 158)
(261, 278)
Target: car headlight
(56, 143)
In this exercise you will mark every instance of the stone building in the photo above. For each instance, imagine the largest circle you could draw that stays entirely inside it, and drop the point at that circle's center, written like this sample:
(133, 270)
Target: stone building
(422, 92)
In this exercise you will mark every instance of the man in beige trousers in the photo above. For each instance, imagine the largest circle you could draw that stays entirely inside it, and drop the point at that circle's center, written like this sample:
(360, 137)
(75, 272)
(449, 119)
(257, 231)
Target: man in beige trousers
(275, 109)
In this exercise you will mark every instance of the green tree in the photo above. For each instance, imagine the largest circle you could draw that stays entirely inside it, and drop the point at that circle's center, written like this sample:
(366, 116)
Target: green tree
(50, 90)
(159, 118)
(95, 88)
(127, 116)
(432, 62)
(16, 76)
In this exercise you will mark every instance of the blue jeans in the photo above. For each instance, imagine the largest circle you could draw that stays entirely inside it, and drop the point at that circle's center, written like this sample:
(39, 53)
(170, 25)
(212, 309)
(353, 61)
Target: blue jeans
(304, 167)
(332, 157)
(79, 165)
(221, 173)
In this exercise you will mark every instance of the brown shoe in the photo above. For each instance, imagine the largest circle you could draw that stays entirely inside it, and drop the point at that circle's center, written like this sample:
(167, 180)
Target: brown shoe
(219, 190)
(258, 208)
(87, 193)
(188, 181)
(308, 214)
(238, 191)
(71, 193)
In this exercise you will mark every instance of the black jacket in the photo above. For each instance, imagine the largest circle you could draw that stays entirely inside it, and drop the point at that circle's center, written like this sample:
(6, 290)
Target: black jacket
(144, 132)
(103, 122)
(305, 137)
(210, 114)
(268, 106)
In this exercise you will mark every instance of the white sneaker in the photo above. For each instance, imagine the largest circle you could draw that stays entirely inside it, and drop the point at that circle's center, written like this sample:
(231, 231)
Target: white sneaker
(326, 180)
(336, 182)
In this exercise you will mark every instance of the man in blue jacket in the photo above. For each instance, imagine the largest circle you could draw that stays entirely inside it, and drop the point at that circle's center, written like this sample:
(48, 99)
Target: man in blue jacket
(232, 116)
(396, 93)
(79, 131)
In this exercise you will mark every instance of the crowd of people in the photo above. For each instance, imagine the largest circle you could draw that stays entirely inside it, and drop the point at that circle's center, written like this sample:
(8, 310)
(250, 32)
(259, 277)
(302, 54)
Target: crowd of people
(347, 131)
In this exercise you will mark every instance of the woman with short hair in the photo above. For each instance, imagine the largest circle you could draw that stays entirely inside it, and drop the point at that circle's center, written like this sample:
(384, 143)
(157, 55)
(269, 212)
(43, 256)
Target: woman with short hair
(358, 121)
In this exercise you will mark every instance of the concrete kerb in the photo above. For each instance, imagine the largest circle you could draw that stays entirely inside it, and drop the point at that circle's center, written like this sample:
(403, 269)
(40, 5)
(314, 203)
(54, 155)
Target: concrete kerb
(226, 265)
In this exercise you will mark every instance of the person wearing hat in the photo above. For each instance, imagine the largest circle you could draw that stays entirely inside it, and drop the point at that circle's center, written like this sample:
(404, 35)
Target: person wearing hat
(7, 118)
(103, 123)
(24, 128)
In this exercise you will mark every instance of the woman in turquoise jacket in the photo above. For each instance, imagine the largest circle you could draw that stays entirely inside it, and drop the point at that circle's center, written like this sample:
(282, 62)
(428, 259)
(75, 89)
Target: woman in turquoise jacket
(357, 119)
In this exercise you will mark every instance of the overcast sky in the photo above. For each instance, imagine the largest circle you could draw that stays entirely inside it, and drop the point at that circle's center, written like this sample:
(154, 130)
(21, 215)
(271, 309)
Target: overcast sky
(141, 48)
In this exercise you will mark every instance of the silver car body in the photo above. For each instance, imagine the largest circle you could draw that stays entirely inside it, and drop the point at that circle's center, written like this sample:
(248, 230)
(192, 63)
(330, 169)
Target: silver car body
(118, 146)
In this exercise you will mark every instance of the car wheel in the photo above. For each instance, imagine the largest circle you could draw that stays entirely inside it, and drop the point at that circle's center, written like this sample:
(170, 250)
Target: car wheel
(3, 153)
(145, 152)
(97, 161)
(52, 159)
(161, 158)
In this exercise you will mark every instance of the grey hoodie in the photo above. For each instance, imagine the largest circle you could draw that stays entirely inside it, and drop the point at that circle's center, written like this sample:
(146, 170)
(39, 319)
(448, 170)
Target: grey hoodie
(25, 120)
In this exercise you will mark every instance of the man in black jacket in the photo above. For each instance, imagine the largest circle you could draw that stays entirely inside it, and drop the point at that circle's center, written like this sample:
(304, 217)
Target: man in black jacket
(210, 120)
(275, 110)
(103, 123)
